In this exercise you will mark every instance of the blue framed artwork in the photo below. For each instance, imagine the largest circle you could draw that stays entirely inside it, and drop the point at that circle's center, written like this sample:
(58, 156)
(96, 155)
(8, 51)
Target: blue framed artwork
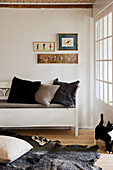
(67, 41)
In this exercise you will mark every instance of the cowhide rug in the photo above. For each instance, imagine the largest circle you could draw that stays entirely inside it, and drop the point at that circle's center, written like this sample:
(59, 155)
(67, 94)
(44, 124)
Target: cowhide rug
(54, 156)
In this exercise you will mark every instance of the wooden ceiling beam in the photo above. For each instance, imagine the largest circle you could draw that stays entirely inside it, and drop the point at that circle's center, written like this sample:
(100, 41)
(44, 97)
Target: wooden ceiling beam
(46, 5)
(49, 1)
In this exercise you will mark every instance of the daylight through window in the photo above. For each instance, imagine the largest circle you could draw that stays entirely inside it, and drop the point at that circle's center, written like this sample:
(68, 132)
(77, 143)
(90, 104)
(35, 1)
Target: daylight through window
(103, 59)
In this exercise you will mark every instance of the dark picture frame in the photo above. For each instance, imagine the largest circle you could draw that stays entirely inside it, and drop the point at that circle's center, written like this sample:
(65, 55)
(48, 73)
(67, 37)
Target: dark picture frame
(67, 41)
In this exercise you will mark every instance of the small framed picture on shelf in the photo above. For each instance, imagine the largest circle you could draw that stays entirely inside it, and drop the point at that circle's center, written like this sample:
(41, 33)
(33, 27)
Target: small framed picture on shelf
(67, 41)
(44, 46)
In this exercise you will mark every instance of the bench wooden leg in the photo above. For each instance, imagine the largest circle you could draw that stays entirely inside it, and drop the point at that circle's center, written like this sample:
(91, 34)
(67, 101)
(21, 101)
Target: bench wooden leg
(95, 142)
(76, 125)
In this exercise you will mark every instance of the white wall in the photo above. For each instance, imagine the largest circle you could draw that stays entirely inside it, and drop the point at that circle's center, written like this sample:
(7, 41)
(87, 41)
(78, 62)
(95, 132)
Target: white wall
(20, 27)
(99, 5)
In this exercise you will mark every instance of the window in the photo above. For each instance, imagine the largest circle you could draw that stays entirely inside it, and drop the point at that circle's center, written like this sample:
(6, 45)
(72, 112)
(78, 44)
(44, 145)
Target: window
(103, 59)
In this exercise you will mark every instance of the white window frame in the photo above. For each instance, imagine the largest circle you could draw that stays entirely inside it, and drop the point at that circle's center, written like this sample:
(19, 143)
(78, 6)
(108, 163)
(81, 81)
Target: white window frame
(97, 18)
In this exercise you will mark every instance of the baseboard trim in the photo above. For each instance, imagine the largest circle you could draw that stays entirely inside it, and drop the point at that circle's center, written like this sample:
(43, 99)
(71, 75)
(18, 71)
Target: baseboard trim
(43, 128)
(36, 128)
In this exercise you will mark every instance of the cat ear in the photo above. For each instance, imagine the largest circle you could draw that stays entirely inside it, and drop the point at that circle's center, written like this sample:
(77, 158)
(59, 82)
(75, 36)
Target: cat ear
(108, 122)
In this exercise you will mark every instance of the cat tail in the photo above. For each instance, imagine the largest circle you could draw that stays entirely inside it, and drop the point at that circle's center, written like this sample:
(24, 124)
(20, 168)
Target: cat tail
(101, 119)
(98, 127)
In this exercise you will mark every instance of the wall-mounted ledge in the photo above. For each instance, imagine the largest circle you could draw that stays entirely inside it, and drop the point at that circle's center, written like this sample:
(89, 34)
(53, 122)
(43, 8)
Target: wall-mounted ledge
(3, 5)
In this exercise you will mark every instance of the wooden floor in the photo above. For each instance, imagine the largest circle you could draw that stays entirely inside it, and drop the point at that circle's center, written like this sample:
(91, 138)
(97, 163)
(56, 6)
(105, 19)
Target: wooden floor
(86, 137)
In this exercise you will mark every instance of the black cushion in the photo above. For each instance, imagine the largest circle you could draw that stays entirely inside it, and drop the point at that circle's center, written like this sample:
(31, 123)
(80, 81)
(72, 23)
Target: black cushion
(22, 91)
(66, 93)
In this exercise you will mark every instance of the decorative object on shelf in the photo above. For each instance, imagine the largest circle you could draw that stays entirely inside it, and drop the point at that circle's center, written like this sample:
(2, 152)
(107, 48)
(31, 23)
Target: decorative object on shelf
(44, 46)
(67, 41)
(57, 58)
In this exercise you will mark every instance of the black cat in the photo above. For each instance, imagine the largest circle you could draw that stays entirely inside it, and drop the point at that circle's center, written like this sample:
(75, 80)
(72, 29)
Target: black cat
(105, 134)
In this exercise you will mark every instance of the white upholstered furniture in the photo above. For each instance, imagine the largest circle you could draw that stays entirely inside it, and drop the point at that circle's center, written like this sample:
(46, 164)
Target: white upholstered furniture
(29, 116)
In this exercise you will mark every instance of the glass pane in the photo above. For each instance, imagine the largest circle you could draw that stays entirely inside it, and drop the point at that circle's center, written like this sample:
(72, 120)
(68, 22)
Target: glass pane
(110, 48)
(105, 70)
(105, 92)
(97, 89)
(110, 71)
(105, 26)
(97, 70)
(97, 30)
(105, 49)
(101, 28)
(101, 50)
(97, 51)
(101, 70)
(110, 95)
(110, 24)
(101, 91)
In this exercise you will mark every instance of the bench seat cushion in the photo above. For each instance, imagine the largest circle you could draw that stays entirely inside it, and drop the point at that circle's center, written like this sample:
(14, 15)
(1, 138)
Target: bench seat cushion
(4, 104)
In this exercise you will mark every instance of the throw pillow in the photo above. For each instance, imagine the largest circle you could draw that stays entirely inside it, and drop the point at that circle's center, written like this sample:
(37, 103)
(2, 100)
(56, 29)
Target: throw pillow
(22, 91)
(66, 93)
(45, 94)
(12, 148)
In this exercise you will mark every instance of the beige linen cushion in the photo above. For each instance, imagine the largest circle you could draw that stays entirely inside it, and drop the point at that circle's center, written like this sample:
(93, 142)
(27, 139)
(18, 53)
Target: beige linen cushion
(12, 148)
(45, 94)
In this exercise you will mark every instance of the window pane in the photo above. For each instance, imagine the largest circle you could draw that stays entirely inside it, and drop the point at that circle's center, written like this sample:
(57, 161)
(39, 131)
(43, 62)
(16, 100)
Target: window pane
(97, 30)
(101, 91)
(105, 70)
(110, 95)
(110, 48)
(97, 51)
(101, 50)
(105, 92)
(101, 28)
(101, 70)
(105, 26)
(110, 24)
(97, 89)
(105, 49)
(110, 71)
(97, 70)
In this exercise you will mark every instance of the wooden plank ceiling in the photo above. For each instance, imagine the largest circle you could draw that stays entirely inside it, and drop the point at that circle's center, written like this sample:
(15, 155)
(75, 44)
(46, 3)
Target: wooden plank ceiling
(47, 3)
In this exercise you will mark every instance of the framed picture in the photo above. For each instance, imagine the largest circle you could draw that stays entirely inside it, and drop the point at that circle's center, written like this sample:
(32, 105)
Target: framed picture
(57, 58)
(44, 46)
(67, 41)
